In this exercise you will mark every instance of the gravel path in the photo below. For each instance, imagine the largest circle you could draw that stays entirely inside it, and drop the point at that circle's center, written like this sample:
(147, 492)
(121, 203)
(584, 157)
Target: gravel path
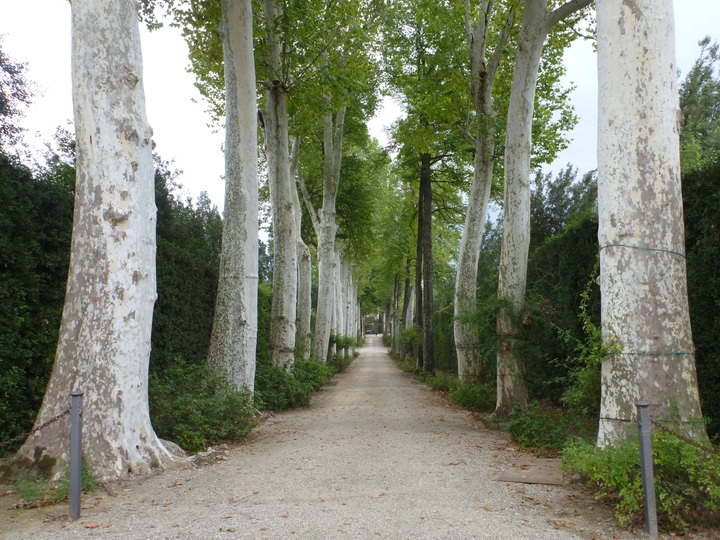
(376, 455)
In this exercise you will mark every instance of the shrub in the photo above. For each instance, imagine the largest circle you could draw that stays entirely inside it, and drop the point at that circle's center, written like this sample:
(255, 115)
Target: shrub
(313, 375)
(35, 489)
(687, 479)
(193, 406)
(278, 390)
(474, 397)
(546, 429)
(442, 382)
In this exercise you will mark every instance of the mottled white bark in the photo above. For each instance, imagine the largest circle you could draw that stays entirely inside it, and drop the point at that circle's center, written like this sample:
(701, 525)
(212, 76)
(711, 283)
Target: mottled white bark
(104, 344)
(234, 335)
(332, 142)
(641, 235)
(339, 304)
(303, 332)
(537, 22)
(285, 280)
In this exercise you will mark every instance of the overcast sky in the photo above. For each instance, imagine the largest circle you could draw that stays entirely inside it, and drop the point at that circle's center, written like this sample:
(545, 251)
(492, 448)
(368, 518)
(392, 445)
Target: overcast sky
(38, 32)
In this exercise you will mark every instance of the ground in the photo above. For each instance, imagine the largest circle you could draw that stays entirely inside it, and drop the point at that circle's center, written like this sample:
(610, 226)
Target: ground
(376, 455)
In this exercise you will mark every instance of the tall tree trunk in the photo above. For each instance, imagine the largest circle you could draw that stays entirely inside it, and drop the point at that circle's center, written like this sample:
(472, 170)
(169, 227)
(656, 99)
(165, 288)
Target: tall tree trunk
(284, 301)
(537, 22)
(104, 343)
(641, 235)
(332, 139)
(466, 339)
(303, 331)
(285, 267)
(234, 335)
(418, 321)
(427, 265)
(395, 340)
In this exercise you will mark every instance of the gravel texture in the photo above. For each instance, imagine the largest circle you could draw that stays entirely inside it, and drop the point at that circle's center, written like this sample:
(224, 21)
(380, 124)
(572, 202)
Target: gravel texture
(376, 455)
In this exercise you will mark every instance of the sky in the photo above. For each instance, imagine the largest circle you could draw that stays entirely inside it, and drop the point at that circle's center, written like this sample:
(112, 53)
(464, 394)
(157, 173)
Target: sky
(38, 32)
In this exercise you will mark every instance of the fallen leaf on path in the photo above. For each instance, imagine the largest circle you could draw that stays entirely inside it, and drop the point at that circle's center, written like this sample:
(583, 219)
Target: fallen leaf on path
(90, 525)
(284, 516)
(227, 529)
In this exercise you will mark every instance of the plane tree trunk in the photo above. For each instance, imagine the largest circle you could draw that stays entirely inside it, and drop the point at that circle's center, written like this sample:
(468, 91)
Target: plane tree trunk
(104, 341)
(643, 283)
(233, 341)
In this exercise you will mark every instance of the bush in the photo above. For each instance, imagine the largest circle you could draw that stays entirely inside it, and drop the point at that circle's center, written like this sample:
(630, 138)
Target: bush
(687, 479)
(546, 429)
(278, 390)
(313, 375)
(35, 489)
(441, 382)
(193, 406)
(474, 397)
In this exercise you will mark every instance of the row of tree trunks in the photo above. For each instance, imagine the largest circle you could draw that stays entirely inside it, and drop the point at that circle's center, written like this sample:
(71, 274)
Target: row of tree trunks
(326, 230)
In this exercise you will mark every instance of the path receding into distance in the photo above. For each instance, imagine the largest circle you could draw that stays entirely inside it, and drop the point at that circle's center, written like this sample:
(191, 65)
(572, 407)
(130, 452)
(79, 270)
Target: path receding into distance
(376, 455)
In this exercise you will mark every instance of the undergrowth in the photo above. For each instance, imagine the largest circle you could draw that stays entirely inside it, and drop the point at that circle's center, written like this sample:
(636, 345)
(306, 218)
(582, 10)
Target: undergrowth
(545, 430)
(194, 407)
(687, 479)
(36, 490)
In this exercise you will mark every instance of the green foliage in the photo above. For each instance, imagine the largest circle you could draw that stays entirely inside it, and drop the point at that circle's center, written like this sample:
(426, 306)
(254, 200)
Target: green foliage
(188, 252)
(545, 429)
(701, 198)
(441, 382)
(278, 390)
(194, 407)
(474, 397)
(700, 105)
(471, 396)
(687, 479)
(313, 375)
(35, 489)
(35, 225)
(559, 288)
(582, 383)
(15, 94)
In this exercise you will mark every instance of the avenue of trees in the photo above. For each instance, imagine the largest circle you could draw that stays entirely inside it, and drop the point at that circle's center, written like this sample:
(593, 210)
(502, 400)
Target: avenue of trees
(580, 292)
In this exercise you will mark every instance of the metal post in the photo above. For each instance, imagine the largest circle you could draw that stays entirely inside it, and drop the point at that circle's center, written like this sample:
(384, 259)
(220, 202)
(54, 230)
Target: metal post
(75, 452)
(646, 464)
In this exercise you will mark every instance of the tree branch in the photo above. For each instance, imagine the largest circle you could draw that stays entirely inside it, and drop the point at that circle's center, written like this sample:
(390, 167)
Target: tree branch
(567, 9)
(308, 204)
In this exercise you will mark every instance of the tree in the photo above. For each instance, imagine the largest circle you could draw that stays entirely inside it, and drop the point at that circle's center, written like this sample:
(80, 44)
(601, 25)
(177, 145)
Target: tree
(234, 337)
(645, 315)
(700, 105)
(277, 152)
(15, 92)
(423, 44)
(104, 344)
(485, 59)
(326, 229)
(537, 23)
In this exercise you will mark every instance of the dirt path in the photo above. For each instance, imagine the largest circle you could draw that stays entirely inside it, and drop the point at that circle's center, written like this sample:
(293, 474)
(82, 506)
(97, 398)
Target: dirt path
(376, 455)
